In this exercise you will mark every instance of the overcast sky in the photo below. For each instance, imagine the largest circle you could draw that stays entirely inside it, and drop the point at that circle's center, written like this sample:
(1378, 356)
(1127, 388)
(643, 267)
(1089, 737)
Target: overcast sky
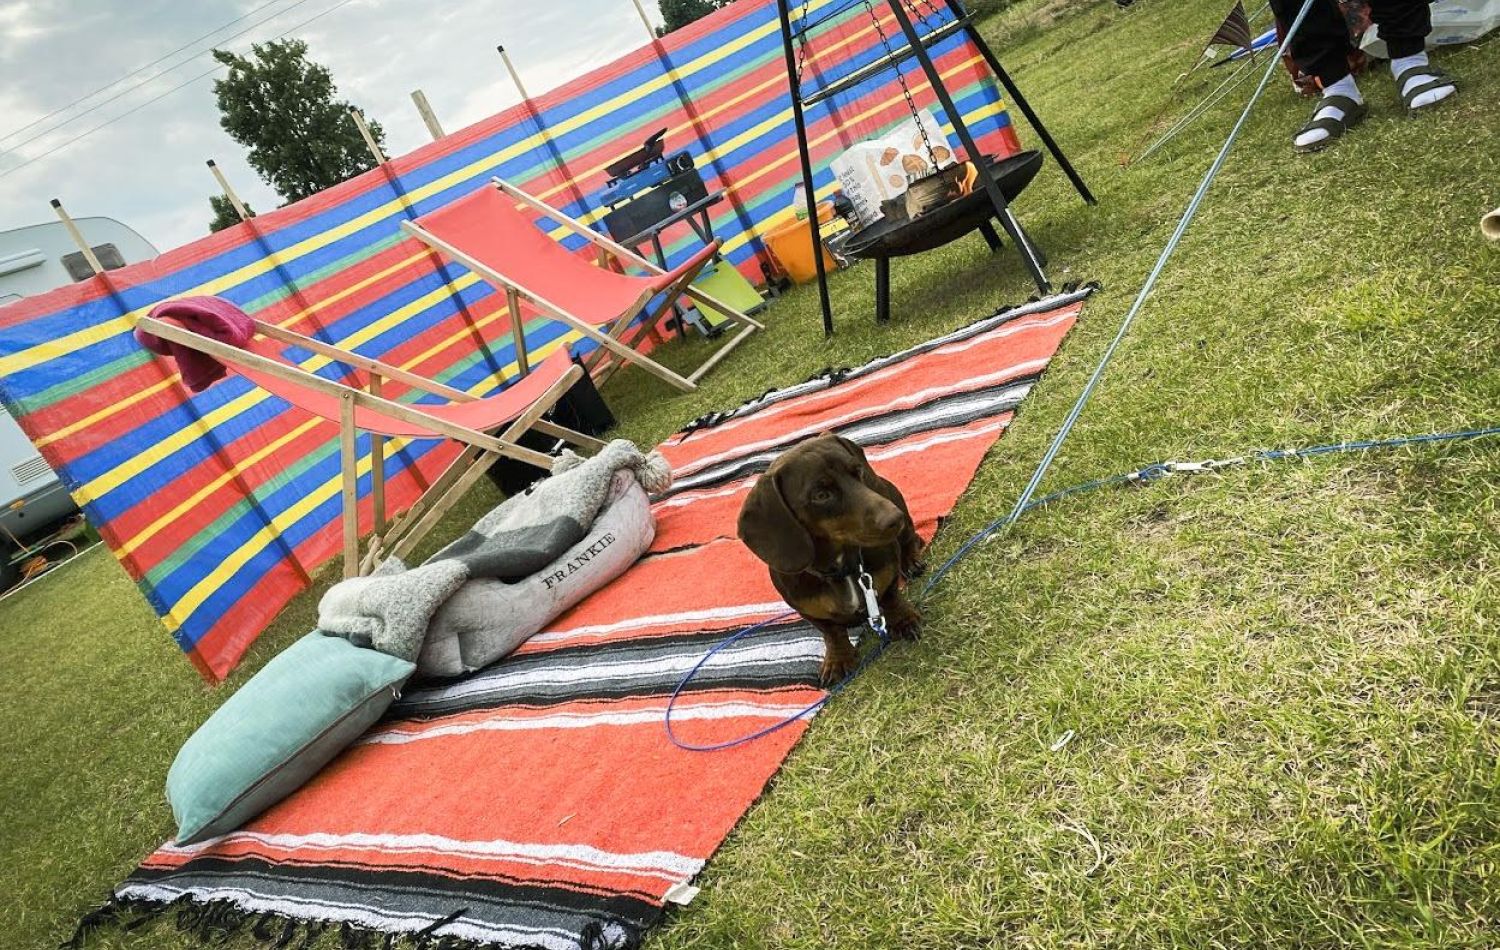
(147, 167)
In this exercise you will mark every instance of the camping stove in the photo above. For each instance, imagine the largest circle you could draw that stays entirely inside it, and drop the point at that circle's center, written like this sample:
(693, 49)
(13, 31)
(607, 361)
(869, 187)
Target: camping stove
(645, 188)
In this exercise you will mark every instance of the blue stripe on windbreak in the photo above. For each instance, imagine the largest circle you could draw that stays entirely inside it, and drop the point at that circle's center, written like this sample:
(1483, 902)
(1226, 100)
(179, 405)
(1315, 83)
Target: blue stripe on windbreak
(106, 457)
(176, 585)
(295, 232)
(383, 192)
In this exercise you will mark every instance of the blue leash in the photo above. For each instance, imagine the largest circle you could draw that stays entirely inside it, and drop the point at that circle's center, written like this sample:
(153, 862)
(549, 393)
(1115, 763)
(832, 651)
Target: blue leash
(1141, 476)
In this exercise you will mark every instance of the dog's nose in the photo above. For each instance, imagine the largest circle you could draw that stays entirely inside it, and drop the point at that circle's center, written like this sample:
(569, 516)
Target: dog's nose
(890, 520)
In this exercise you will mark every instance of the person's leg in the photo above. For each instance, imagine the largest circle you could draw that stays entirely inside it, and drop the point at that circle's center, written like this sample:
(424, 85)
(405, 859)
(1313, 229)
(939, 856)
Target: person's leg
(1321, 49)
(1404, 25)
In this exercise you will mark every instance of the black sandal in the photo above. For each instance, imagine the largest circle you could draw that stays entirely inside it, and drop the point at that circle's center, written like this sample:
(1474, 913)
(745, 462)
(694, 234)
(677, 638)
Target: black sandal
(1354, 113)
(1439, 80)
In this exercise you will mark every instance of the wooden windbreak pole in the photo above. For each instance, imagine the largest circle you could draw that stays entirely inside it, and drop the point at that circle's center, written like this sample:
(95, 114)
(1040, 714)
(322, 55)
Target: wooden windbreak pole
(515, 77)
(364, 133)
(77, 236)
(429, 117)
(381, 162)
(559, 163)
(641, 11)
(234, 199)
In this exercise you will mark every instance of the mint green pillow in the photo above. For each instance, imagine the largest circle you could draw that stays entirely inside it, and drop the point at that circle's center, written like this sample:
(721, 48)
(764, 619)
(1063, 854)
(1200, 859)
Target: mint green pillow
(302, 709)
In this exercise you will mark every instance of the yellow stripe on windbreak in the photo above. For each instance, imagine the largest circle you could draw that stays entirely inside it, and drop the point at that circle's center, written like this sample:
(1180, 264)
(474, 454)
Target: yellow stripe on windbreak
(151, 530)
(106, 412)
(62, 346)
(108, 481)
(206, 586)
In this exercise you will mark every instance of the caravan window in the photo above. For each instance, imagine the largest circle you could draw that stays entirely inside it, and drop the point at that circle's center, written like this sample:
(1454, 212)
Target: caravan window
(79, 269)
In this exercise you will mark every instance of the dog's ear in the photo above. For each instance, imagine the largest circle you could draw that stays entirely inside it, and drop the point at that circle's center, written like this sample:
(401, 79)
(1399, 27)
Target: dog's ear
(771, 531)
(866, 473)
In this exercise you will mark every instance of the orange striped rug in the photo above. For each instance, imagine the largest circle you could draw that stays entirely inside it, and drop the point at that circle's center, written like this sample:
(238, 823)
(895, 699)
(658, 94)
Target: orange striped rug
(539, 803)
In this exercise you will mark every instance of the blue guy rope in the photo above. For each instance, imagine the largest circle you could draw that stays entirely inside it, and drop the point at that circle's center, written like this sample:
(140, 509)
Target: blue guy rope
(1025, 503)
(1150, 284)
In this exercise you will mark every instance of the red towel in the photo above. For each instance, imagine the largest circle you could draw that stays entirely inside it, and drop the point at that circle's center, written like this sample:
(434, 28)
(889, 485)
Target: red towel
(213, 317)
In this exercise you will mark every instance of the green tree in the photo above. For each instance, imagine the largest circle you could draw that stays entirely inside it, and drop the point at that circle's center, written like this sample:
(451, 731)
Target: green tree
(679, 13)
(283, 108)
(224, 214)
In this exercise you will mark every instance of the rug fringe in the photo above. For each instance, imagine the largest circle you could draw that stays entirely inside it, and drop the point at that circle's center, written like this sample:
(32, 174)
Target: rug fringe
(217, 921)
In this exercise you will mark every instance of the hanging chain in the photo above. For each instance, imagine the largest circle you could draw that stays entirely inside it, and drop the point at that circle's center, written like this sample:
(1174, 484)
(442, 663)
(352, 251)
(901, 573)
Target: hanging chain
(911, 104)
(915, 9)
(802, 44)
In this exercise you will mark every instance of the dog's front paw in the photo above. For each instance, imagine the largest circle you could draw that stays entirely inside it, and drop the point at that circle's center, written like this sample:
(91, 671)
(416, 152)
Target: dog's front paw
(913, 559)
(837, 666)
(907, 626)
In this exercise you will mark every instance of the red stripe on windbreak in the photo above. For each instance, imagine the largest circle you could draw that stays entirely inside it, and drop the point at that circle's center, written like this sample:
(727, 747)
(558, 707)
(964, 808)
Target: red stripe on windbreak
(182, 486)
(226, 640)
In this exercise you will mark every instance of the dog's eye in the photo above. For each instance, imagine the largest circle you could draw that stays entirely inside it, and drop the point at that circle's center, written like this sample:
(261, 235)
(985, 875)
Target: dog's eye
(822, 496)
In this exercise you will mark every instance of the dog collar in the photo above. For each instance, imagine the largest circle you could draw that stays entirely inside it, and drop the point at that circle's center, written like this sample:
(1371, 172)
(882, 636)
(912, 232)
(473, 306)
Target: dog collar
(862, 585)
(842, 571)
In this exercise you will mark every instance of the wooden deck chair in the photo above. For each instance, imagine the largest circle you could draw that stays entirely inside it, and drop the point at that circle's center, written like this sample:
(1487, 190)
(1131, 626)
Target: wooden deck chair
(466, 418)
(487, 233)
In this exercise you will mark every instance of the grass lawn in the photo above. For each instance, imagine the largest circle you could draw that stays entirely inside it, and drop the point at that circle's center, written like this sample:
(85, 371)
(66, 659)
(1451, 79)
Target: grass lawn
(1284, 680)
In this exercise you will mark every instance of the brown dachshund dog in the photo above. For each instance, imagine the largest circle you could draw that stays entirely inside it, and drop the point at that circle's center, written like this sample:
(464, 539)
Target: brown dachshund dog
(816, 514)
